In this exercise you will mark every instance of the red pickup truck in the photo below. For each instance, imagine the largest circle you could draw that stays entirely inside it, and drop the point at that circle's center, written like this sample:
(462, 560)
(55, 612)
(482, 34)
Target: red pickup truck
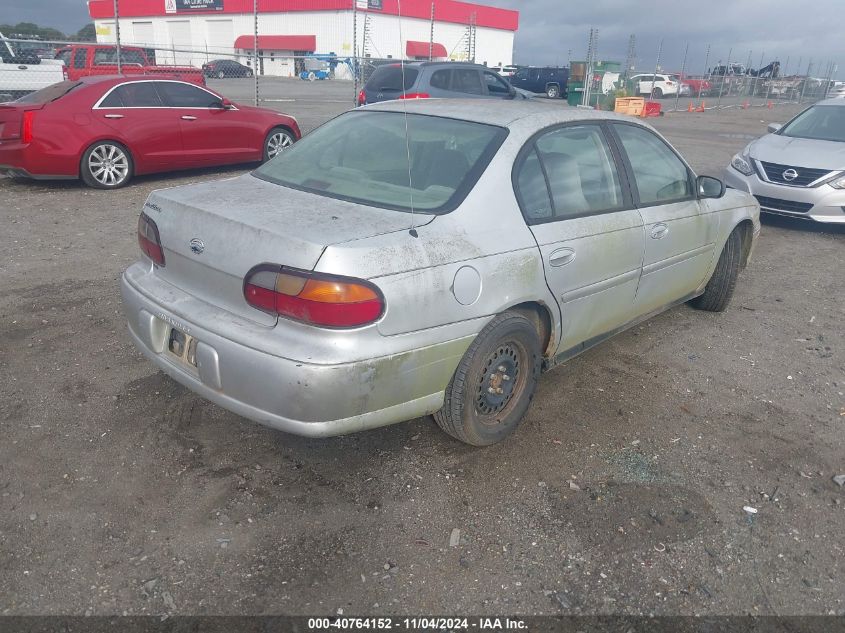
(84, 60)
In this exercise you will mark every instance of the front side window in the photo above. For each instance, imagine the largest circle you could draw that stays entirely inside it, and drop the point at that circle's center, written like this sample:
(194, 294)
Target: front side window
(80, 57)
(659, 175)
(495, 84)
(181, 95)
(581, 171)
(363, 157)
(64, 55)
(825, 123)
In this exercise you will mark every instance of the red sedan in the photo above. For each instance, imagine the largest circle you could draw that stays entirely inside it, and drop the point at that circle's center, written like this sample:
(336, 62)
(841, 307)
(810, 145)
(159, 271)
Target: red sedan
(106, 130)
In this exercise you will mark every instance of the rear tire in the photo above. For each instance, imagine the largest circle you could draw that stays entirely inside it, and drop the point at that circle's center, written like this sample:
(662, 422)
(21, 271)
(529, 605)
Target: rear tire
(719, 290)
(657, 93)
(221, 74)
(553, 92)
(106, 165)
(494, 383)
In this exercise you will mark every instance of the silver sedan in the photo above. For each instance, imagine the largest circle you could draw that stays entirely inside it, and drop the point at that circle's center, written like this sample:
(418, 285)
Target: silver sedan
(426, 257)
(799, 169)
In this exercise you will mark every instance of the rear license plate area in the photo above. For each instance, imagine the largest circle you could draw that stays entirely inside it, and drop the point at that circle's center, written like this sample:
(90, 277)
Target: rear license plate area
(182, 346)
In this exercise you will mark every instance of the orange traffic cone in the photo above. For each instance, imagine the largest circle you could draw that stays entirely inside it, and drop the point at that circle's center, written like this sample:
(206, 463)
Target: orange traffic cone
(701, 107)
(745, 104)
(769, 105)
(690, 108)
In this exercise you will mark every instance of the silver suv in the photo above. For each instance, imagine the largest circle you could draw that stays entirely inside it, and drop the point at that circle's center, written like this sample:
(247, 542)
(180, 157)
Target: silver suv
(421, 80)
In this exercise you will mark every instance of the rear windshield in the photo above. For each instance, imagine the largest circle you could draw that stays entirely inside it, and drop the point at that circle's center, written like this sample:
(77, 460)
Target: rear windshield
(363, 157)
(50, 93)
(390, 78)
(824, 123)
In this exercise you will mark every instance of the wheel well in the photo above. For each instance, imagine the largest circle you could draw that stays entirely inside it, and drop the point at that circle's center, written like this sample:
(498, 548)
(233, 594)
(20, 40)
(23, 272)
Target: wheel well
(539, 315)
(553, 83)
(746, 234)
(281, 127)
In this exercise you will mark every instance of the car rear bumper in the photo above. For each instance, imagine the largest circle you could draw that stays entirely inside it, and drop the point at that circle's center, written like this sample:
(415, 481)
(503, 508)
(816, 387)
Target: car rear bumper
(23, 160)
(822, 203)
(299, 396)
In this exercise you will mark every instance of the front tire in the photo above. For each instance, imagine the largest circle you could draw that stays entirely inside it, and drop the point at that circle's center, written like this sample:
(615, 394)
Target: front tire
(494, 383)
(106, 165)
(719, 290)
(221, 74)
(278, 140)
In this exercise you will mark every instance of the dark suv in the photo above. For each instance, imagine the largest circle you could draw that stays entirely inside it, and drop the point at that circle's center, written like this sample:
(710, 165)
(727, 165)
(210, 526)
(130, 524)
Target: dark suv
(549, 80)
(436, 80)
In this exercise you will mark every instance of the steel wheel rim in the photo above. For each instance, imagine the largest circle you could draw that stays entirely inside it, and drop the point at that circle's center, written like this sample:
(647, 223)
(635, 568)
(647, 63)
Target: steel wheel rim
(108, 165)
(277, 143)
(502, 378)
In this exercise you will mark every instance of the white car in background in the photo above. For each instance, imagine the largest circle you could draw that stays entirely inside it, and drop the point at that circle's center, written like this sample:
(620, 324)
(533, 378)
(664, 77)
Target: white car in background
(837, 91)
(655, 84)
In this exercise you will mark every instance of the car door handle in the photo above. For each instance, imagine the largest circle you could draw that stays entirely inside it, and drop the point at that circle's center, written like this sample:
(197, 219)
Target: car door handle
(113, 116)
(659, 231)
(561, 256)
(188, 117)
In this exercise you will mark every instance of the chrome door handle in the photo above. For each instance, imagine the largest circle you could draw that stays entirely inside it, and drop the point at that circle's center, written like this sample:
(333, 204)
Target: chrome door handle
(561, 256)
(188, 117)
(659, 231)
(113, 116)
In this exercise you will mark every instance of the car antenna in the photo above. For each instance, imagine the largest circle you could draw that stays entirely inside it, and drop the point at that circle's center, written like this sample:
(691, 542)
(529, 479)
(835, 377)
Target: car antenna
(413, 230)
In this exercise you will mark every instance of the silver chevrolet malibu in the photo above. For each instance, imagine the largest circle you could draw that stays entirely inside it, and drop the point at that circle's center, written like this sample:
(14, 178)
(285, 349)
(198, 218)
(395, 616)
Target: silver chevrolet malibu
(799, 169)
(426, 257)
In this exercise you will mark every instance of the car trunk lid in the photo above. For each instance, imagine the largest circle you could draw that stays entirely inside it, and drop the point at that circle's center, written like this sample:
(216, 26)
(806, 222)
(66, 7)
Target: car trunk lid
(213, 234)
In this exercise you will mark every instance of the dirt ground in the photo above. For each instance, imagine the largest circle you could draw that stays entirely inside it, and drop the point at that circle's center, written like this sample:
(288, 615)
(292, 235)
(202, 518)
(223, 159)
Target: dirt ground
(622, 493)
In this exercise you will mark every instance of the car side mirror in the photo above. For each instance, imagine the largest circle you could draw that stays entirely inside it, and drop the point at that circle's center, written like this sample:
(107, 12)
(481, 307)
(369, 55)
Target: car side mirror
(709, 187)
(225, 104)
(774, 127)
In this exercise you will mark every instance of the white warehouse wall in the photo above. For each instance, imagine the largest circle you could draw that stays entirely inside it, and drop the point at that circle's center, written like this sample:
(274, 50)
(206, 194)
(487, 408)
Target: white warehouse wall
(198, 38)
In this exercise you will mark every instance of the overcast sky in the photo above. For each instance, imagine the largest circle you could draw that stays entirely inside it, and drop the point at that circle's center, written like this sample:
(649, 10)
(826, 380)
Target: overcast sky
(549, 29)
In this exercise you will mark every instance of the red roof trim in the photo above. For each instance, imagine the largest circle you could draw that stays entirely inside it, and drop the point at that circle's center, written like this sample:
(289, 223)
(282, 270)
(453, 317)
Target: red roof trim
(444, 10)
(278, 42)
(420, 49)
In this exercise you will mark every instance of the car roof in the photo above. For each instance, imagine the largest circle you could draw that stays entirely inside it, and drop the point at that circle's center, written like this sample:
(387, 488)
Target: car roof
(422, 64)
(116, 79)
(831, 102)
(503, 113)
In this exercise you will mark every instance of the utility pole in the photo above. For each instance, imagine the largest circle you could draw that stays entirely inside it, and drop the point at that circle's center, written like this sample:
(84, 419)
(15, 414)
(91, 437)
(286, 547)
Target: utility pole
(117, 37)
(431, 35)
(255, 48)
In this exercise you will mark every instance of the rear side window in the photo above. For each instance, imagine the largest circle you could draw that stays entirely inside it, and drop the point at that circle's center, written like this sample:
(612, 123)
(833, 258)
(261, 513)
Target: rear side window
(181, 95)
(50, 93)
(362, 156)
(440, 79)
(64, 55)
(659, 174)
(134, 94)
(466, 80)
(581, 170)
(391, 78)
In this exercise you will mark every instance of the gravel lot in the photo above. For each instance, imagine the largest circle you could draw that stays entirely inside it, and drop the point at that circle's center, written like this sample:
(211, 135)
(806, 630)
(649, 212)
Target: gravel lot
(623, 492)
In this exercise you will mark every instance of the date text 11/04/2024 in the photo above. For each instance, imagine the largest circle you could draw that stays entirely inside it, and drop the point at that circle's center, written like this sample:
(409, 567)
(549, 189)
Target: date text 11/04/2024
(416, 624)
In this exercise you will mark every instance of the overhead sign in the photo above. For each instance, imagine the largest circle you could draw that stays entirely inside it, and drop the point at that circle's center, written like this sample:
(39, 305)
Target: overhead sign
(183, 6)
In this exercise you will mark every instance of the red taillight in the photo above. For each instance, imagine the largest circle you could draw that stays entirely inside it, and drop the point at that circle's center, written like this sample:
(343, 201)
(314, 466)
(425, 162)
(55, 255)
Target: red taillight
(362, 98)
(317, 299)
(26, 126)
(148, 239)
(414, 95)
